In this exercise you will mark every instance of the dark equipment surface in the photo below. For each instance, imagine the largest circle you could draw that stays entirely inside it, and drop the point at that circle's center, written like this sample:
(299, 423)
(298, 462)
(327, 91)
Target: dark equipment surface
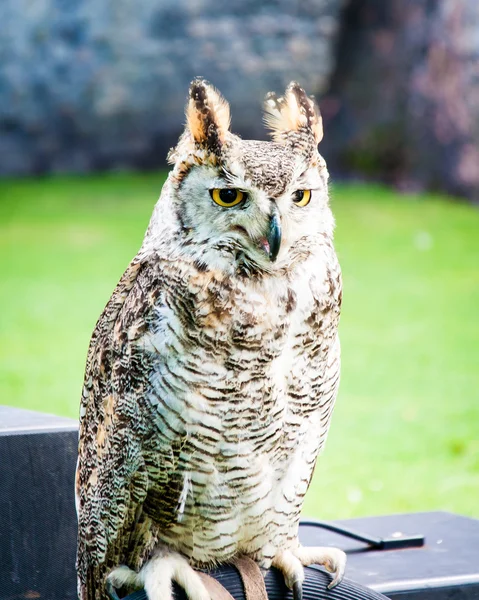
(38, 528)
(446, 567)
(37, 507)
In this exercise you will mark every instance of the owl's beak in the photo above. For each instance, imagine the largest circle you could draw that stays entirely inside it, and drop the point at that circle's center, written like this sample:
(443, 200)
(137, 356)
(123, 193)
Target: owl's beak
(274, 234)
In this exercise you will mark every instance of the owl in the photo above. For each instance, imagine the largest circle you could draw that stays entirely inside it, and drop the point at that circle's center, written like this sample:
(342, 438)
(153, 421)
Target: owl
(212, 372)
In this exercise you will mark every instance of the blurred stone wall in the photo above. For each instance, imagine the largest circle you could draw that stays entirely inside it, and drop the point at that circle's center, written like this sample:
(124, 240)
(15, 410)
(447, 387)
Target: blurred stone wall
(403, 105)
(101, 84)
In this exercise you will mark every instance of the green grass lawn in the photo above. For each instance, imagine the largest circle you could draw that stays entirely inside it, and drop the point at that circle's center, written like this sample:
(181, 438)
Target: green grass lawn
(405, 434)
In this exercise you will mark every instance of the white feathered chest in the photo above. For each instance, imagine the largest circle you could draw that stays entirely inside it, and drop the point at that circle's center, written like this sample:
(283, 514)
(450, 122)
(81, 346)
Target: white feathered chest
(238, 370)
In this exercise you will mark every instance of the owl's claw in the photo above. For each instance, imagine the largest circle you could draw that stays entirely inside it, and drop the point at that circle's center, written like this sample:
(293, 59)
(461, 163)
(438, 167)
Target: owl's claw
(298, 590)
(337, 579)
(332, 559)
(110, 590)
(119, 577)
(291, 562)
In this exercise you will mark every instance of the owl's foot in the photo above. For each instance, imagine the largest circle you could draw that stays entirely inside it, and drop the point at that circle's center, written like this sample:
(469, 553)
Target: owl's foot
(156, 578)
(291, 562)
(119, 577)
(164, 568)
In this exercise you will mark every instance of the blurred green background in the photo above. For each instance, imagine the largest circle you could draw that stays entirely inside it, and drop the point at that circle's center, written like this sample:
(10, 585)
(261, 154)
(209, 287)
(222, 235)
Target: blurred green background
(405, 434)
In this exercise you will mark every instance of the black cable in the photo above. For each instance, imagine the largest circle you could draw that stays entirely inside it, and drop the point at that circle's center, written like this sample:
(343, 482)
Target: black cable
(376, 543)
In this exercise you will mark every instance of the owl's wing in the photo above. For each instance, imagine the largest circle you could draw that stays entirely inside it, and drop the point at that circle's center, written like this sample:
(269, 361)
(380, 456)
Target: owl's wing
(329, 389)
(325, 376)
(115, 468)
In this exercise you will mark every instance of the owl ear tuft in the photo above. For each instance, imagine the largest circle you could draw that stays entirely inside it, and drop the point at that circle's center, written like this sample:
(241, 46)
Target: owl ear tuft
(292, 115)
(207, 115)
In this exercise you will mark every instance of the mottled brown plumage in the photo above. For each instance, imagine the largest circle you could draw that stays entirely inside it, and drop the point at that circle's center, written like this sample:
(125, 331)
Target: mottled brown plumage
(212, 372)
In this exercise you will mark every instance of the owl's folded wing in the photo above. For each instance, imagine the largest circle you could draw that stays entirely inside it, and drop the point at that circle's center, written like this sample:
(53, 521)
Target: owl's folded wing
(116, 498)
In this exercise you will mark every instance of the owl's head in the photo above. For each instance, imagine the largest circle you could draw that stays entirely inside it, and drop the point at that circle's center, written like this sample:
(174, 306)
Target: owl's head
(243, 206)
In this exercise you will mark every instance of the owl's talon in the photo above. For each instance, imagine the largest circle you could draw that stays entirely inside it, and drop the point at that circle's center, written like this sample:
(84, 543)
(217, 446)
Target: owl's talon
(291, 563)
(332, 559)
(336, 580)
(110, 590)
(297, 590)
(338, 571)
(336, 566)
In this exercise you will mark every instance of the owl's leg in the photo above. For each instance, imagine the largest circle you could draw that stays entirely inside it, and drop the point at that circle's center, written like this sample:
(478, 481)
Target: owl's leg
(291, 562)
(165, 567)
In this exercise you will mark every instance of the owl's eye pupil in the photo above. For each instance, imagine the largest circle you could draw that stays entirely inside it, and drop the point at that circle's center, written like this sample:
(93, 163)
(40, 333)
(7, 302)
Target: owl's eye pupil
(298, 195)
(228, 195)
(302, 197)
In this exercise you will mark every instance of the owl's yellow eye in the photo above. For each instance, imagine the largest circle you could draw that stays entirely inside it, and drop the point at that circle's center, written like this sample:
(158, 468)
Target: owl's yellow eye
(302, 197)
(227, 197)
